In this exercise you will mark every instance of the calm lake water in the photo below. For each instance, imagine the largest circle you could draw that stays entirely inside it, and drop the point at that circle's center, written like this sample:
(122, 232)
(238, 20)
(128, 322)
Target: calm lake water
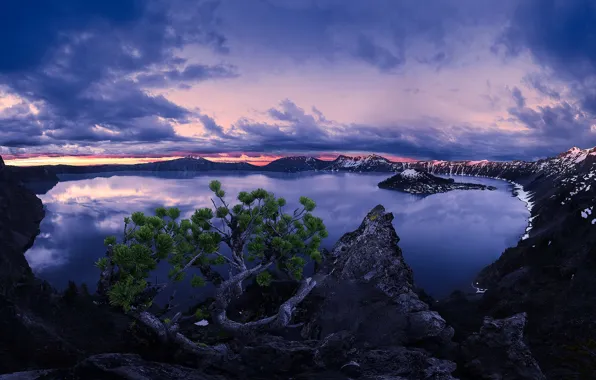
(446, 238)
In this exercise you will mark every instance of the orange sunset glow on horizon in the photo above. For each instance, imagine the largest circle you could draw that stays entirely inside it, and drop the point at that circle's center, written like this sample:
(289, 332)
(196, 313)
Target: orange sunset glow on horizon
(260, 160)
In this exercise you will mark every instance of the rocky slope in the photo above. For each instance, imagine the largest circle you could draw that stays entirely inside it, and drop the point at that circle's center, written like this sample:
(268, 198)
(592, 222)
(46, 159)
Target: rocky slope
(422, 183)
(20, 215)
(39, 328)
(550, 275)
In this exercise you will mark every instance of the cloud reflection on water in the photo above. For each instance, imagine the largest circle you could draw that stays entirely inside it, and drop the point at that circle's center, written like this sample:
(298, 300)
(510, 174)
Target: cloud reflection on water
(446, 238)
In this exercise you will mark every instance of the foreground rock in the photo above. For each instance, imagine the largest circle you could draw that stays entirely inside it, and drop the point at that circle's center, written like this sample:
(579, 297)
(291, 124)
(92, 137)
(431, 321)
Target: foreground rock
(39, 328)
(366, 311)
(422, 183)
(115, 366)
(20, 215)
(498, 351)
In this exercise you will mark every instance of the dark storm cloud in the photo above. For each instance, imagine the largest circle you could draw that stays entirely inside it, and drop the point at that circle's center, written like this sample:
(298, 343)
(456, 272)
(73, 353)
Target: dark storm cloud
(31, 28)
(520, 101)
(211, 126)
(190, 74)
(561, 37)
(75, 61)
(381, 33)
(561, 125)
(86, 66)
(539, 82)
(563, 121)
(294, 130)
(560, 34)
(377, 55)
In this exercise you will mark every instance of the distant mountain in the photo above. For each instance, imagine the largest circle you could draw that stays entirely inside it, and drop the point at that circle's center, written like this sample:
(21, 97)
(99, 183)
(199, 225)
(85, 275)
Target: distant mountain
(295, 164)
(371, 163)
(562, 164)
(422, 183)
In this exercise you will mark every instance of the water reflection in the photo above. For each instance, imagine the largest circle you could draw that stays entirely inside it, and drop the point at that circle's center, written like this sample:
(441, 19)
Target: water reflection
(446, 238)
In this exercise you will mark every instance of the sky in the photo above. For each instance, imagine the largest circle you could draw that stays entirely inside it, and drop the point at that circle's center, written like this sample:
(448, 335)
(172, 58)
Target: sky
(255, 80)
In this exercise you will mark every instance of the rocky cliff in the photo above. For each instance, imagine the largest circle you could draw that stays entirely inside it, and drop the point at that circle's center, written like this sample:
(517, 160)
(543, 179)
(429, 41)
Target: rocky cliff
(20, 215)
(551, 275)
(39, 328)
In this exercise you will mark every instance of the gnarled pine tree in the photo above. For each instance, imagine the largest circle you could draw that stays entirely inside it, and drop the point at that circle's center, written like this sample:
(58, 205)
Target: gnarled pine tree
(259, 234)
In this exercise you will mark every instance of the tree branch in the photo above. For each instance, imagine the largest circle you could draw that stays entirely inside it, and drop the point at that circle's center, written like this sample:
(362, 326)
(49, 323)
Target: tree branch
(227, 222)
(230, 261)
(224, 295)
(225, 235)
(286, 310)
(170, 334)
(253, 217)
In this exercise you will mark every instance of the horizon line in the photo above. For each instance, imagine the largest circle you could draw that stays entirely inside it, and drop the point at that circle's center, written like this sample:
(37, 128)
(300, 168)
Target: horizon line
(261, 159)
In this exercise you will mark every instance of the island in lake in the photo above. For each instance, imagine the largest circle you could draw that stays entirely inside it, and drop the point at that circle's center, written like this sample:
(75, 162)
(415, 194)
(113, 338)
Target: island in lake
(420, 182)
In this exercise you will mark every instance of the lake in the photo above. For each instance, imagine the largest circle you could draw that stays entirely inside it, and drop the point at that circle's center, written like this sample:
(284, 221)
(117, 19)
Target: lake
(446, 238)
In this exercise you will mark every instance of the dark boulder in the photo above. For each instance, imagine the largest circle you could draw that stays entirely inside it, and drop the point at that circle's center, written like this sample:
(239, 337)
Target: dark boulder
(499, 351)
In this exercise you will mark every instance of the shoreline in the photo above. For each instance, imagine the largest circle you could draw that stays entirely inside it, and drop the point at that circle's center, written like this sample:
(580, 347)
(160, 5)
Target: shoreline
(520, 193)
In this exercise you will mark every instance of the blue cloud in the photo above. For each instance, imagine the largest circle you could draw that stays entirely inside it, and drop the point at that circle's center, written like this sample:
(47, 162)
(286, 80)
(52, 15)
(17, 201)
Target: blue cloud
(74, 60)
(31, 28)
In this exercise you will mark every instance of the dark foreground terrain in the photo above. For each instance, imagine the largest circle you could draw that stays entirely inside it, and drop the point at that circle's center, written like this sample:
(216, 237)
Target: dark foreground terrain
(365, 319)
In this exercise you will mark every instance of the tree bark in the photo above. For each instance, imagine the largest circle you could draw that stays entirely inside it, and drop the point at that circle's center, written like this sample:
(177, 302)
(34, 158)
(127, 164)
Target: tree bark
(225, 294)
(106, 277)
(169, 334)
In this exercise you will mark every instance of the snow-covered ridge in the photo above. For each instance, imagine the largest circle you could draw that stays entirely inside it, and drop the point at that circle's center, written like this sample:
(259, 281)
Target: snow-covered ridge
(371, 162)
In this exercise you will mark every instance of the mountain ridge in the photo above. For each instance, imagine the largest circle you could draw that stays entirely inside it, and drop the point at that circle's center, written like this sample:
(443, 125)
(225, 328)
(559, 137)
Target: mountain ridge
(368, 163)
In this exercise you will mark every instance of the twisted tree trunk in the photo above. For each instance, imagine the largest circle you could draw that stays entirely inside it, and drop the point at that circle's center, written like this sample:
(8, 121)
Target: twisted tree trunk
(169, 334)
(225, 294)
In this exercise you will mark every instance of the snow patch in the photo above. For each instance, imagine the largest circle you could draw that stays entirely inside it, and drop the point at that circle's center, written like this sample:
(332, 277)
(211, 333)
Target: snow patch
(524, 196)
(202, 322)
(411, 173)
(479, 290)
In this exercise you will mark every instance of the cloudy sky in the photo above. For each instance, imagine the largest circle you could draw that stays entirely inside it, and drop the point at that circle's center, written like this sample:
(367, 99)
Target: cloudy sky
(432, 79)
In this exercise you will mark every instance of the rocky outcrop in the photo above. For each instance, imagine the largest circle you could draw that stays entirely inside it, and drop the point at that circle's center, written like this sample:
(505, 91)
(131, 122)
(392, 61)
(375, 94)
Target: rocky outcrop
(366, 293)
(499, 351)
(422, 183)
(368, 266)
